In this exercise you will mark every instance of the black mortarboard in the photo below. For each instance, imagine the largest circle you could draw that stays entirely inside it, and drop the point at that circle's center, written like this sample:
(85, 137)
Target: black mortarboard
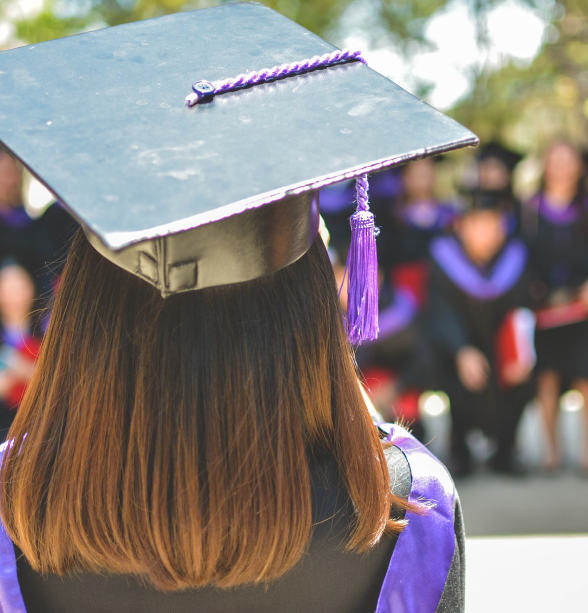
(222, 192)
(499, 152)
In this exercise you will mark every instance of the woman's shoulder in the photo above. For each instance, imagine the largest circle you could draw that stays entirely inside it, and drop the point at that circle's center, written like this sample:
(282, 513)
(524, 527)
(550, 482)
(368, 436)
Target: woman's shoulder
(412, 466)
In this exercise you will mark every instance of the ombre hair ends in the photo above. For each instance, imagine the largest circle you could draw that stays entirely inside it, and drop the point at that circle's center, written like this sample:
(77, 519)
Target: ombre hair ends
(171, 438)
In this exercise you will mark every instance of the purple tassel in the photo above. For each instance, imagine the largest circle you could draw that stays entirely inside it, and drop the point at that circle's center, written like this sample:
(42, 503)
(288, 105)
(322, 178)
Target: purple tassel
(362, 268)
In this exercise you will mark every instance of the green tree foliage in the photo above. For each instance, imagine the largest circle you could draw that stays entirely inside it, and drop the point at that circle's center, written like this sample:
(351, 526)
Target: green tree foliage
(402, 18)
(529, 106)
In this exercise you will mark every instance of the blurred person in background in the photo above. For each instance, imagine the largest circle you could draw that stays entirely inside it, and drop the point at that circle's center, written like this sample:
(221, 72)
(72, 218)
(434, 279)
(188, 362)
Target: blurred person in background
(42, 241)
(555, 227)
(396, 366)
(496, 164)
(478, 282)
(29, 249)
(392, 367)
(20, 337)
(336, 204)
(412, 218)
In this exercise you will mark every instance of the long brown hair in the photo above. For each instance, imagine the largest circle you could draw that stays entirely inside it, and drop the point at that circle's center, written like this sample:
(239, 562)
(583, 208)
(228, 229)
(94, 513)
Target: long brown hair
(170, 438)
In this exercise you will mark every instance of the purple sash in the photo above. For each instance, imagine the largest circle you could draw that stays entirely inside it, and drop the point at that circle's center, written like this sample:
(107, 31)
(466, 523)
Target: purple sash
(15, 217)
(420, 564)
(554, 215)
(10, 595)
(447, 252)
(428, 216)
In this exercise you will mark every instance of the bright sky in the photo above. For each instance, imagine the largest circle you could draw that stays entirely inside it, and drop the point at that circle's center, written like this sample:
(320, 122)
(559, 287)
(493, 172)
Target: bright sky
(514, 32)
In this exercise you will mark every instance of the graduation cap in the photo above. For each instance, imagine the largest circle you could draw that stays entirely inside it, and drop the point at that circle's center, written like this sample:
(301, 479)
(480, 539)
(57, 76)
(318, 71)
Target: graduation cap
(495, 150)
(189, 190)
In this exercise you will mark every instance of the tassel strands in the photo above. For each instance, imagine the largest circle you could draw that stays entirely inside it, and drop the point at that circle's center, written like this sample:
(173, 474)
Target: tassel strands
(362, 271)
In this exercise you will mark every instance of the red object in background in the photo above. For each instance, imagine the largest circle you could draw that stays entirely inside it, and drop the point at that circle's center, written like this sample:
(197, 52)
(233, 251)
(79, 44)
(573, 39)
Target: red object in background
(414, 277)
(376, 377)
(515, 347)
(29, 350)
(562, 315)
(405, 406)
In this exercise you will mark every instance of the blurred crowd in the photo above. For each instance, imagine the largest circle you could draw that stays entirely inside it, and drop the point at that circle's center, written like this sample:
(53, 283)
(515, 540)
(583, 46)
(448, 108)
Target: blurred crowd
(31, 254)
(484, 296)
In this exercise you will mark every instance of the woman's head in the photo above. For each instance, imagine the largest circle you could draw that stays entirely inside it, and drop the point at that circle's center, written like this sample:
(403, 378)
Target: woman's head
(418, 179)
(170, 438)
(482, 233)
(494, 174)
(496, 164)
(563, 167)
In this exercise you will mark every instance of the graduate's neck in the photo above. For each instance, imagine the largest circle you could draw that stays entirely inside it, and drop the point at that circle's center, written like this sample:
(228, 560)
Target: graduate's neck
(420, 196)
(6, 206)
(476, 257)
(479, 261)
(559, 195)
(16, 322)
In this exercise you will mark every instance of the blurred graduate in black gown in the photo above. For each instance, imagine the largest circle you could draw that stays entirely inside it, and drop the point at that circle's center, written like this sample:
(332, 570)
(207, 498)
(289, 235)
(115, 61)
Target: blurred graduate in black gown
(496, 164)
(20, 336)
(42, 242)
(479, 281)
(555, 227)
(412, 219)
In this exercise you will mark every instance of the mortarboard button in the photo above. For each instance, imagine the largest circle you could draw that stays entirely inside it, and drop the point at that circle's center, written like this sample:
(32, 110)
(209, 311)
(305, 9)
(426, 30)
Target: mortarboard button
(203, 88)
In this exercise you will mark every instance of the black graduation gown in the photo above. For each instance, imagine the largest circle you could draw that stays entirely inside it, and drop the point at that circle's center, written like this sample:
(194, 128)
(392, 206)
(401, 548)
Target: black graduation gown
(403, 240)
(40, 244)
(403, 252)
(558, 247)
(401, 347)
(458, 315)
